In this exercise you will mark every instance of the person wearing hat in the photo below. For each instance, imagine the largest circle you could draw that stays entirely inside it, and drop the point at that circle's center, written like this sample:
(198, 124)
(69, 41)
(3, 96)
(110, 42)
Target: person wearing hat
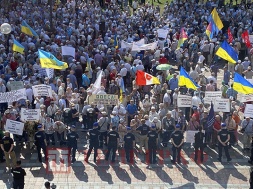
(223, 139)
(231, 125)
(167, 99)
(104, 124)
(72, 138)
(40, 142)
(18, 176)
(177, 140)
(112, 141)
(94, 142)
(146, 104)
(199, 144)
(129, 144)
(152, 144)
(239, 67)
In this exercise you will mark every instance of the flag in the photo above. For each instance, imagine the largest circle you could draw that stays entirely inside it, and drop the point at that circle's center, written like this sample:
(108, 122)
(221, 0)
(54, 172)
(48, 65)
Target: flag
(25, 28)
(143, 78)
(50, 72)
(217, 23)
(97, 85)
(226, 52)
(230, 36)
(242, 85)
(182, 38)
(47, 60)
(122, 89)
(209, 31)
(116, 41)
(88, 67)
(186, 80)
(17, 47)
(210, 118)
(245, 37)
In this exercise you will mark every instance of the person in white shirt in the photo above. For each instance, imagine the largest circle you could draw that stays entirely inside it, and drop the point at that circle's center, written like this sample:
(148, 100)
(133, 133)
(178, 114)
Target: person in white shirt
(153, 114)
(51, 110)
(196, 100)
(49, 130)
(175, 114)
(167, 99)
(146, 104)
(140, 66)
(174, 96)
(147, 121)
(61, 90)
(201, 59)
(120, 111)
(38, 101)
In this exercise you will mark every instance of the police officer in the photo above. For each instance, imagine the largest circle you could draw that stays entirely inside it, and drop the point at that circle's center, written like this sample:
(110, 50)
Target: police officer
(18, 176)
(152, 144)
(129, 144)
(40, 142)
(94, 142)
(72, 138)
(223, 139)
(112, 141)
(199, 144)
(143, 131)
(177, 140)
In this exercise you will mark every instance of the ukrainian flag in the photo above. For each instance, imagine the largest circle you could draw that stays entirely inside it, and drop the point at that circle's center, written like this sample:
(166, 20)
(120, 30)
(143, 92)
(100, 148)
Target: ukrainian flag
(47, 60)
(25, 28)
(122, 89)
(209, 30)
(241, 85)
(116, 45)
(17, 47)
(217, 23)
(182, 38)
(226, 52)
(185, 80)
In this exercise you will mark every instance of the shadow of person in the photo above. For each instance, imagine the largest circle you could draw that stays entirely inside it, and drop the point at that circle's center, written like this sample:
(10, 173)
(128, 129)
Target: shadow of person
(79, 171)
(103, 174)
(187, 174)
(42, 172)
(122, 174)
(188, 185)
(137, 172)
(161, 174)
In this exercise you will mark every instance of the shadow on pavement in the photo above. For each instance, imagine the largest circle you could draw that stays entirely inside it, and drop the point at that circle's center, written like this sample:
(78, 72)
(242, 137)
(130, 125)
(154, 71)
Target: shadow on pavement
(137, 172)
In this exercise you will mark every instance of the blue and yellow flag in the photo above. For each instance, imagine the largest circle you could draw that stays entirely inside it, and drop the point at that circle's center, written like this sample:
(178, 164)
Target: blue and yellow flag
(186, 80)
(226, 52)
(17, 47)
(122, 89)
(241, 85)
(47, 60)
(209, 30)
(116, 45)
(217, 23)
(25, 28)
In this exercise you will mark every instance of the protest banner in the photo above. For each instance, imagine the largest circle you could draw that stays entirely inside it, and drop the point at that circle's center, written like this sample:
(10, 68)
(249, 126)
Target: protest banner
(30, 114)
(189, 136)
(13, 96)
(150, 46)
(246, 98)
(16, 85)
(248, 112)
(42, 90)
(162, 33)
(125, 45)
(14, 127)
(68, 51)
(184, 101)
(103, 99)
(210, 96)
(221, 105)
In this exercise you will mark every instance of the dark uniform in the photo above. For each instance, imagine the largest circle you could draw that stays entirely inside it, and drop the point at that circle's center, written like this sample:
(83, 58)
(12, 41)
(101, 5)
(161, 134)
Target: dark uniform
(1, 151)
(152, 145)
(39, 139)
(177, 137)
(251, 154)
(94, 143)
(224, 135)
(18, 177)
(112, 138)
(72, 138)
(169, 127)
(129, 139)
(199, 145)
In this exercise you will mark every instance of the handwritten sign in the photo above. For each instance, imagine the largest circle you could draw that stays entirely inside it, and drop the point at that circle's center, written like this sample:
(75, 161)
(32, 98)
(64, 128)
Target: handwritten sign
(104, 99)
(222, 105)
(13, 96)
(16, 85)
(184, 101)
(210, 96)
(14, 127)
(246, 98)
(30, 114)
(248, 112)
(42, 90)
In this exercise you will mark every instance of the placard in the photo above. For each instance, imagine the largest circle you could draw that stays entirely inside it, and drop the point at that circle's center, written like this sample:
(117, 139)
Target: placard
(221, 105)
(16, 85)
(42, 90)
(162, 33)
(248, 112)
(104, 99)
(251, 38)
(13, 96)
(30, 114)
(189, 136)
(246, 98)
(184, 101)
(210, 96)
(14, 127)
(68, 51)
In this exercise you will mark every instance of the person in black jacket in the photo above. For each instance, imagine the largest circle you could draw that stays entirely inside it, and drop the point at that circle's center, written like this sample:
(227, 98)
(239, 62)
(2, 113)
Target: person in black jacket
(112, 141)
(18, 176)
(199, 145)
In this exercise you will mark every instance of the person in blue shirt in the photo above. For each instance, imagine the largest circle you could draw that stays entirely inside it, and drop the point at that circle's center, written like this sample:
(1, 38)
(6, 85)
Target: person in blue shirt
(226, 76)
(85, 80)
(131, 110)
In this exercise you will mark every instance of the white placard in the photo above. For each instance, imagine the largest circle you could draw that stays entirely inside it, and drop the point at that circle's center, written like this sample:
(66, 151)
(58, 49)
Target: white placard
(16, 85)
(150, 46)
(14, 127)
(30, 114)
(125, 45)
(42, 90)
(211, 96)
(13, 96)
(248, 112)
(68, 51)
(221, 105)
(190, 136)
(246, 98)
(251, 38)
(162, 33)
(184, 101)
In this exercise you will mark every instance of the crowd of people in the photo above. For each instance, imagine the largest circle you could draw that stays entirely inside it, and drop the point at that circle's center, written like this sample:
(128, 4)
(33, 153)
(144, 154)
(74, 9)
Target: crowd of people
(145, 116)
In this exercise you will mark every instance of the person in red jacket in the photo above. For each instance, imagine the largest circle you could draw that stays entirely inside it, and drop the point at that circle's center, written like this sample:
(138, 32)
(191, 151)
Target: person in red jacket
(163, 60)
(13, 65)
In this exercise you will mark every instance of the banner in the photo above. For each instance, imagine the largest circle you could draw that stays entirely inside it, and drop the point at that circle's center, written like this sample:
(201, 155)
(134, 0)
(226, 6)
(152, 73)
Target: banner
(150, 46)
(162, 33)
(190, 136)
(104, 99)
(211, 96)
(16, 85)
(222, 105)
(30, 114)
(184, 101)
(42, 90)
(248, 112)
(13, 96)
(125, 45)
(14, 127)
(70, 51)
(246, 98)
